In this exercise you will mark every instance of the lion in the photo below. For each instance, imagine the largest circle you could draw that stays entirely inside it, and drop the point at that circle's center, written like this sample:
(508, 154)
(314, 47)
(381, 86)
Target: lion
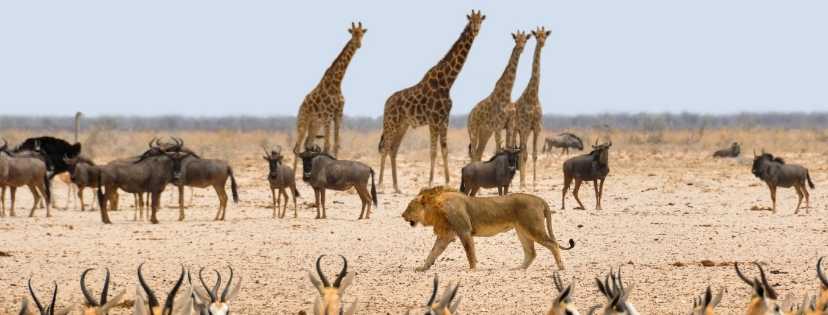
(453, 215)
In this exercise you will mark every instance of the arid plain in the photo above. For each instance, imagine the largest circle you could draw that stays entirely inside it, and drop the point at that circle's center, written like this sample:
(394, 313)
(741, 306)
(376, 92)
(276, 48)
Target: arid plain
(668, 206)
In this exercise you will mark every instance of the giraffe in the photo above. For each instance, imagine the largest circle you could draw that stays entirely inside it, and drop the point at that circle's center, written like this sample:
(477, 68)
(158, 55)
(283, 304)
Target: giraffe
(325, 102)
(529, 114)
(490, 116)
(426, 103)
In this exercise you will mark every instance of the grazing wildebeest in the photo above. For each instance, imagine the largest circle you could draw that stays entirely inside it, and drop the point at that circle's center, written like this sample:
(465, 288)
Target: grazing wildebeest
(84, 174)
(323, 171)
(280, 177)
(496, 172)
(150, 175)
(588, 167)
(565, 141)
(775, 173)
(24, 169)
(733, 151)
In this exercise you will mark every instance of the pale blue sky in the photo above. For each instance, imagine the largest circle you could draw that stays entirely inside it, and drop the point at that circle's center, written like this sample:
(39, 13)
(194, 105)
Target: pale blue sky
(211, 58)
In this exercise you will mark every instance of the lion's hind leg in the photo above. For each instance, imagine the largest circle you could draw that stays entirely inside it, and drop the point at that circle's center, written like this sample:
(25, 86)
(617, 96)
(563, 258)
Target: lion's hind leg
(538, 234)
(528, 244)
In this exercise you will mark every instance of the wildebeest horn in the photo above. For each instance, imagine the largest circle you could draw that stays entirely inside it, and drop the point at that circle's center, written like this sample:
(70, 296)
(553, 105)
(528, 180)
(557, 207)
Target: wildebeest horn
(279, 149)
(85, 290)
(771, 292)
(342, 273)
(210, 292)
(741, 275)
(596, 141)
(227, 287)
(152, 300)
(433, 291)
(754, 153)
(322, 277)
(821, 274)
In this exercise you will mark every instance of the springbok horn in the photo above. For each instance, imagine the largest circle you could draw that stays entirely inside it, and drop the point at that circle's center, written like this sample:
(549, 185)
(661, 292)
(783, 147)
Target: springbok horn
(433, 291)
(151, 299)
(322, 277)
(342, 273)
(821, 274)
(24, 307)
(51, 309)
(742, 276)
(708, 297)
(86, 294)
(204, 284)
(771, 291)
(227, 287)
(34, 297)
(105, 290)
(216, 286)
(168, 304)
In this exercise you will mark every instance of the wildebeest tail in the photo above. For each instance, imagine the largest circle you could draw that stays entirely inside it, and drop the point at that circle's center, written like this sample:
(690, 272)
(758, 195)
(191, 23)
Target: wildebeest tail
(295, 191)
(810, 183)
(548, 214)
(101, 197)
(47, 186)
(233, 187)
(374, 190)
(462, 185)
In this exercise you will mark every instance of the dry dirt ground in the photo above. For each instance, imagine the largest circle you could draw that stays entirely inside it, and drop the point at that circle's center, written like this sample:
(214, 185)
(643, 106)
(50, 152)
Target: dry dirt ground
(664, 213)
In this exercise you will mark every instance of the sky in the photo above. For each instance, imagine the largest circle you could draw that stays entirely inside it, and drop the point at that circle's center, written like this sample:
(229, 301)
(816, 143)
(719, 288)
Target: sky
(215, 58)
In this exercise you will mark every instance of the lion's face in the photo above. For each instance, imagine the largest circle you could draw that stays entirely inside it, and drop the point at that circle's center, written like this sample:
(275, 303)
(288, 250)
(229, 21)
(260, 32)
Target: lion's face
(415, 212)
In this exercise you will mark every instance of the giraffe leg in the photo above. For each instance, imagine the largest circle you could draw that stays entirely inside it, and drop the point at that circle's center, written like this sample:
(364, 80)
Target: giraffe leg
(395, 149)
(444, 152)
(301, 133)
(327, 147)
(535, 156)
(337, 125)
(482, 140)
(434, 136)
(498, 139)
(524, 156)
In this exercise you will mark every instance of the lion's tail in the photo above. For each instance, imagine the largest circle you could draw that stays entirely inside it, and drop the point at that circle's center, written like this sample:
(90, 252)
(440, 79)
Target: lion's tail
(548, 213)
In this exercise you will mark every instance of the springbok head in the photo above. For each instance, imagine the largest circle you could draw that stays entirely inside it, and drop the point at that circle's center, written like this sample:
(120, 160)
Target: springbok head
(329, 301)
(616, 293)
(216, 304)
(92, 306)
(764, 297)
(705, 304)
(563, 304)
(146, 303)
(822, 299)
(48, 309)
(445, 305)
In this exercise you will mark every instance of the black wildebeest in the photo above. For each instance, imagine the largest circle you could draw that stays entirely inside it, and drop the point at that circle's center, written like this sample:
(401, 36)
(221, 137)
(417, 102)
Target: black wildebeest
(588, 167)
(496, 172)
(84, 174)
(24, 168)
(565, 141)
(322, 171)
(150, 175)
(280, 177)
(733, 151)
(775, 173)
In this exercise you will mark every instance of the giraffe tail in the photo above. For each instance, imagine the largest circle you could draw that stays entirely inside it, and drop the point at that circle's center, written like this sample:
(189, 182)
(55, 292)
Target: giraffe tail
(381, 142)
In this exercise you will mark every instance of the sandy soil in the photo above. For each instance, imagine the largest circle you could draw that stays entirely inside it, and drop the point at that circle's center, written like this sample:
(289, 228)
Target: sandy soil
(664, 212)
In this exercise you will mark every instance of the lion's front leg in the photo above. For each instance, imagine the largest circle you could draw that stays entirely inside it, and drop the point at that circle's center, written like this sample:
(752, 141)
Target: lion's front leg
(439, 247)
(468, 245)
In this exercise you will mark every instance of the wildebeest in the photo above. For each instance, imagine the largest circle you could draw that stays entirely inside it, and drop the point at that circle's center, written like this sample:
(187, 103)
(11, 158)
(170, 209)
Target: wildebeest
(496, 172)
(323, 171)
(24, 169)
(565, 141)
(280, 177)
(775, 173)
(733, 151)
(150, 175)
(84, 174)
(588, 167)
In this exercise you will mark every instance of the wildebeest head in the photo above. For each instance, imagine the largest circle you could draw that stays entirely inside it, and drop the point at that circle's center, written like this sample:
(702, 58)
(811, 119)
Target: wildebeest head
(71, 164)
(512, 156)
(274, 158)
(311, 152)
(601, 151)
(762, 161)
(177, 164)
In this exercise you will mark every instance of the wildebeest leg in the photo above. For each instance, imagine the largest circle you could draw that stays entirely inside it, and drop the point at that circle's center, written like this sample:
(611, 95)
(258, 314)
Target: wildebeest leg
(500, 190)
(284, 205)
(365, 197)
(277, 202)
(155, 196)
(41, 189)
(222, 194)
(799, 196)
(107, 197)
(2, 201)
(600, 192)
(439, 247)
(473, 191)
(142, 205)
(12, 195)
(180, 202)
(567, 182)
(597, 195)
(316, 196)
(273, 197)
(80, 197)
(807, 199)
(322, 199)
(295, 208)
(36, 197)
(468, 246)
(528, 244)
(773, 196)
(575, 193)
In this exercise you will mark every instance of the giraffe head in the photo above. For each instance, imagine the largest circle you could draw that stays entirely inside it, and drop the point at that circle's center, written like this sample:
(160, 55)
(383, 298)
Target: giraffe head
(540, 35)
(521, 38)
(475, 19)
(357, 31)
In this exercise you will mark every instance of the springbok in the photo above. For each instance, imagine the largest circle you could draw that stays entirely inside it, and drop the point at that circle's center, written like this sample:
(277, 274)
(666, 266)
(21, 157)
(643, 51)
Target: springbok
(146, 303)
(822, 299)
(705, 304)
(280, 177)
(102, 307)
(563, 304)
(329, 301)
(209, 300)
(445, 305)
(48, 309)
(763, 300)
(616, 294)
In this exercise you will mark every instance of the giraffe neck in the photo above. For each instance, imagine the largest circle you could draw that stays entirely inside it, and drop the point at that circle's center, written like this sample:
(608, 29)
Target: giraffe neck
(337, 70)
(504, 85)
(445, 72)
(534, 81)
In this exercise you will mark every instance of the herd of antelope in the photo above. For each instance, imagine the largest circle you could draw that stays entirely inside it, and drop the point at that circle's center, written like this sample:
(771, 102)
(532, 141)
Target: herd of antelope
(205, 300)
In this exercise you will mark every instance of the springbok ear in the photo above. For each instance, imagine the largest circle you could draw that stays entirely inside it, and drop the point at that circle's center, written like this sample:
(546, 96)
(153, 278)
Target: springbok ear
(111, 303)
(317, 306)
(63, 311)
(235, 290)
(718, 297)
(352, 310)
(201, 294)
(140, 307)
(184, 304)
(455, 305)
(349, 278)
(316, 283)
